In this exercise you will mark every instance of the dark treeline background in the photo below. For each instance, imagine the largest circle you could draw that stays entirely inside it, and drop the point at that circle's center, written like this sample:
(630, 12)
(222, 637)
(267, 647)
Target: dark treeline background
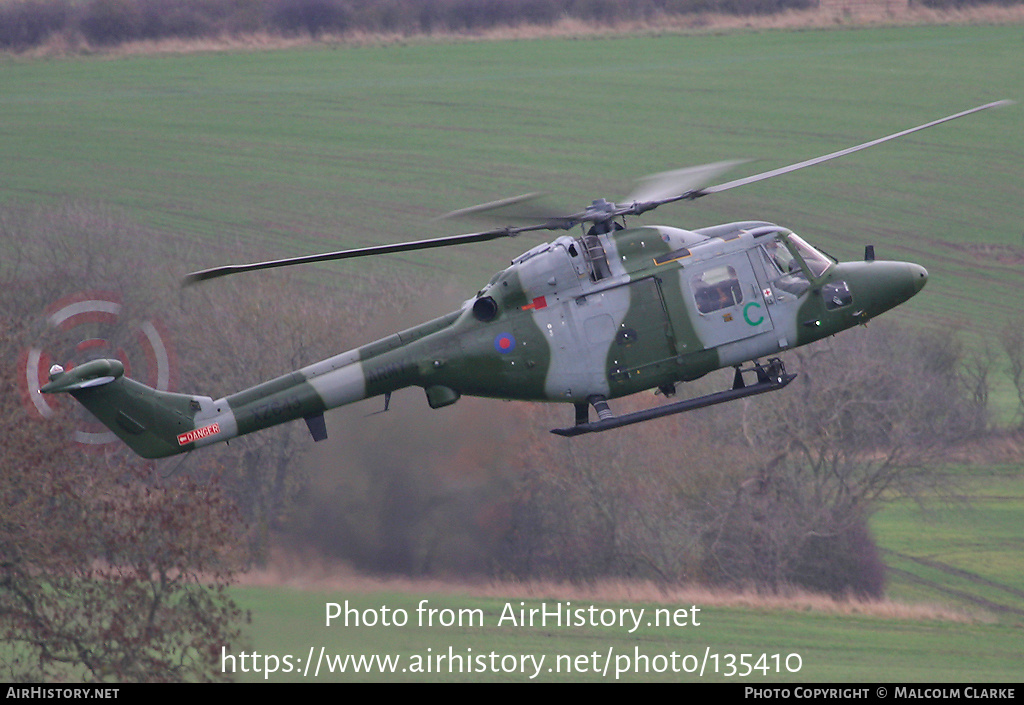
(25, 24)
(103, 23)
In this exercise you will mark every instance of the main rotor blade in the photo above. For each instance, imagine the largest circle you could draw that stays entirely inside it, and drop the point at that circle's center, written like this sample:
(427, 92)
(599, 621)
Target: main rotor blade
(658, 190)
(215, 272)
(668, 185)
(843, 152)
(514, 209)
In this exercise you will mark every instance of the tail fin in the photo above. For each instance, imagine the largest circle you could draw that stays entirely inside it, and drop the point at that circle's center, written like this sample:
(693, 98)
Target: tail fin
(154, 424)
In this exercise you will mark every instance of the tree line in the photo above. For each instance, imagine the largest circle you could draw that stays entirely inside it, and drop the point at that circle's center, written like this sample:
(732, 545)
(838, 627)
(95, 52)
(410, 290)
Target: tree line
(86, 24)
(104, 23)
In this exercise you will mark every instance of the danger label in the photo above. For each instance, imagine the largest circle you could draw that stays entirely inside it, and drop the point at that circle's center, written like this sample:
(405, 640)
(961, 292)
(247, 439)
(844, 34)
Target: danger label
(193, 436)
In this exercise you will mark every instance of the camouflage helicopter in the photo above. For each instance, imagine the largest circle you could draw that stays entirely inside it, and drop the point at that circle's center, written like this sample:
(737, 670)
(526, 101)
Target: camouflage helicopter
(583, 320)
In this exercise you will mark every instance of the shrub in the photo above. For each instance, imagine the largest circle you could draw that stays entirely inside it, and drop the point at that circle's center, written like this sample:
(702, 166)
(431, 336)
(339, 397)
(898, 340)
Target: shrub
(31, 23)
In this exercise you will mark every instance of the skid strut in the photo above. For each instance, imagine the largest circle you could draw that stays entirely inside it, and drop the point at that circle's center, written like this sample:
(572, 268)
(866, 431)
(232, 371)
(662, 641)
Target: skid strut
(769, 378)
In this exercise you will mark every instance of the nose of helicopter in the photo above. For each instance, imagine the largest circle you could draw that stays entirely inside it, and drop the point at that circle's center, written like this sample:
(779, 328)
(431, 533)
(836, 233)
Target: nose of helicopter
(920, 276)
(880, 285)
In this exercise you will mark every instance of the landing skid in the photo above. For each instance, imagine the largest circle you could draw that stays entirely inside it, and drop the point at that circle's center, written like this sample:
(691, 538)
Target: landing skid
(769, 379)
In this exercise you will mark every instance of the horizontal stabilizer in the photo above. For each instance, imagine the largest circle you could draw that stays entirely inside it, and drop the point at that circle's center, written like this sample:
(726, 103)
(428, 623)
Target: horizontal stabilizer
(90, 374)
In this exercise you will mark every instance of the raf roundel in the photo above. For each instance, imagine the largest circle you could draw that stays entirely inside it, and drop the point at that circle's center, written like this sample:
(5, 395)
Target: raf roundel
(504, 343)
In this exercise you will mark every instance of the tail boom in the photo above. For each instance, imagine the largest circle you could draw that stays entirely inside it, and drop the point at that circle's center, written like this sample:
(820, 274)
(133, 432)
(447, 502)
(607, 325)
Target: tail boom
(156, 424)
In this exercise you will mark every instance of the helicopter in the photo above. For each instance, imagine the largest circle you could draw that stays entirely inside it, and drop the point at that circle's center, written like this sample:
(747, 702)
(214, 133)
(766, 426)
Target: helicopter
(584, 319)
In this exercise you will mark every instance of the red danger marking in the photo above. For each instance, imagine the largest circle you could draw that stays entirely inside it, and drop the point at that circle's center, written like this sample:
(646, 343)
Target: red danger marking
(193, 436)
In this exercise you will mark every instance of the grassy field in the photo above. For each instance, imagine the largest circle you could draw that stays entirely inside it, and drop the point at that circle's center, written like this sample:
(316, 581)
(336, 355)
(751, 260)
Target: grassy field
(296, 151)
(830, 647)
(965, 552)
(236, 155)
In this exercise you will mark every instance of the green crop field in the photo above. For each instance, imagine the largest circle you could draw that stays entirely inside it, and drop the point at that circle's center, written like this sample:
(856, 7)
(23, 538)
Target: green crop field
(291, 152)
(238, 155)
(799, 646)
(965, 552)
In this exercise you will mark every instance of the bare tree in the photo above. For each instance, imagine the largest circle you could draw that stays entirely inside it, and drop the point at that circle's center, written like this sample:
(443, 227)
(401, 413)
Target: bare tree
(628, 502)
(108, 570)
(1012, 341)
(865, 421)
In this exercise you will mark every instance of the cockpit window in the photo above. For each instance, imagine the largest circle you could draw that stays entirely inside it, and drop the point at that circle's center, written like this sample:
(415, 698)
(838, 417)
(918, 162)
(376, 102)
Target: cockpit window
(781, 257)
(792, 277)
(717, 288)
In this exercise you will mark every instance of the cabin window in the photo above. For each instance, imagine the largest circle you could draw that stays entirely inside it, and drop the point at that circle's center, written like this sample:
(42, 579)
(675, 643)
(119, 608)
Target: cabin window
(717, 288)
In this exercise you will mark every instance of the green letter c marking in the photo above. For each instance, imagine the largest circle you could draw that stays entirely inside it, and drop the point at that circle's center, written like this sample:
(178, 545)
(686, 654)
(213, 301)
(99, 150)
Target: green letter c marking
(746, 314)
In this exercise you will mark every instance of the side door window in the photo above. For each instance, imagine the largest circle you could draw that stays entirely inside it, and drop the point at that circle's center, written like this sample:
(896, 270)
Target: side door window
(729, 303)
(717, 288)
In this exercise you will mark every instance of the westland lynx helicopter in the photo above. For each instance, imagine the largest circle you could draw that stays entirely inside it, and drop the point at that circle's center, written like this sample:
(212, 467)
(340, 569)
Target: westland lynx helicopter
(584, 319)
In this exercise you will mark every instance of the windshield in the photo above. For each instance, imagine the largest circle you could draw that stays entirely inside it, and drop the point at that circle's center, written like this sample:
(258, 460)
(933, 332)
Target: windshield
(815, 261)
